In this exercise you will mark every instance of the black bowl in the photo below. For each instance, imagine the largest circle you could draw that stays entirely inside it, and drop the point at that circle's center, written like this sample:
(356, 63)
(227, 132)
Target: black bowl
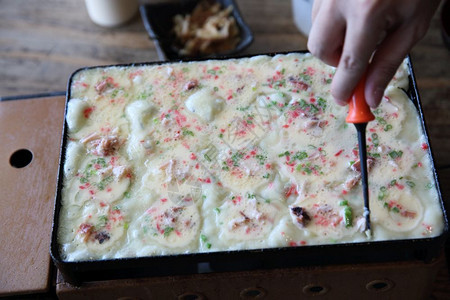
(158, 21)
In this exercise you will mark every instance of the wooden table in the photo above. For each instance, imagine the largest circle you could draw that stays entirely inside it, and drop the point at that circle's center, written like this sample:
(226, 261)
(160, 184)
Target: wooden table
(43, 42)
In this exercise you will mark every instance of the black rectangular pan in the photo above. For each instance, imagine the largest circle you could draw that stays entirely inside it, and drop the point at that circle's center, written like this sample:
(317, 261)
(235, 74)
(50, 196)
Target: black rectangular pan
(425, 249)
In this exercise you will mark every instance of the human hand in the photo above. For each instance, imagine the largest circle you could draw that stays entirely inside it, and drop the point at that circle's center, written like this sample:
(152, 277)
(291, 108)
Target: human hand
(348, 34)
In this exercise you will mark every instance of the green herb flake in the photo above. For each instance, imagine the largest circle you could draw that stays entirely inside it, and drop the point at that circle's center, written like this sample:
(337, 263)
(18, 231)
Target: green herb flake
(410, 183)
(286, 153)
(300, 155)
(381, 121)
(261, 158)
(187, 132)
(343, 203)
(167, 231)
(102, 220)
(217, 210)
(236, 157)
(104, 182)
(322, 103)
(114, 93)
(203, 238)
(395, 154)
(242, 108)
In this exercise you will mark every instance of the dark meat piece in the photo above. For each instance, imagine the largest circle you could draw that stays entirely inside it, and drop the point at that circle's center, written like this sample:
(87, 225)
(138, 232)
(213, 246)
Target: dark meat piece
(300, 216)
(102, 236)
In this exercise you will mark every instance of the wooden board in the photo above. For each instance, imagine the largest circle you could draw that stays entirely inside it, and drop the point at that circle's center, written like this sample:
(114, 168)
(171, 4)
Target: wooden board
(27, 193)
(395, 280)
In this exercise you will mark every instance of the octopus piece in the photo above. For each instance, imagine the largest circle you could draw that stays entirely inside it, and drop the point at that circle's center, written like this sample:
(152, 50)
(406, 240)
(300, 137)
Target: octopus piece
(107, 145)
(298, 83)
(101, 86)
(245, 220)
(104, 84)
(87, 230)
(314, 123)
(356, 167)
(326, 215)
(102, 145)
(300, 216)
(191, 84)
(89, 138)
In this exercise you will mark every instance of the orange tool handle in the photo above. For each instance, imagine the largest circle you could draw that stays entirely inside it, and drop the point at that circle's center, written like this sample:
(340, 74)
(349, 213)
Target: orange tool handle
(359, 111)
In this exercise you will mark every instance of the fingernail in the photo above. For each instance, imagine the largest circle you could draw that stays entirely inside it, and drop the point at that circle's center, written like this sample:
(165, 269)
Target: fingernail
(375, 100)
(341, 102)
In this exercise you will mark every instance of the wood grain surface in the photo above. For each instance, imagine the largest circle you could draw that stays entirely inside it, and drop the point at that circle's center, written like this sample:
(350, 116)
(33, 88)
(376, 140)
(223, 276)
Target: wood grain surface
(43, 42)
(28, 191)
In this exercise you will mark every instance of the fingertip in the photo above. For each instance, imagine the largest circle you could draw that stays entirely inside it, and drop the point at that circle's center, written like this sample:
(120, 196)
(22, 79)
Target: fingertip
(373, 99)
(341, 92)
(341, 102)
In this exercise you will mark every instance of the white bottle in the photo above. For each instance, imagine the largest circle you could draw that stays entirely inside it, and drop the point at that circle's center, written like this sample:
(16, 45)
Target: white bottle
(301, 10)
(111, 13)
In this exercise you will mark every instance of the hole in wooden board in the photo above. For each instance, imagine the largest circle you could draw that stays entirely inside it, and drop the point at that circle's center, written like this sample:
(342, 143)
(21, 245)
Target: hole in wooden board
(379, 285)
(21, 158)
(315, 289)
(253, 293)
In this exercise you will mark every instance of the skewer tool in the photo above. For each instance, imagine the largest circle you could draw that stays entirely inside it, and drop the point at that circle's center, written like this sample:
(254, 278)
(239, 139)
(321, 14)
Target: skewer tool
(359, 114)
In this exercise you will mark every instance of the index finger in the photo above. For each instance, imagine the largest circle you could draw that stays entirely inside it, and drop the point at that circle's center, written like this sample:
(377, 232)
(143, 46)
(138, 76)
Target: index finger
(360, 41)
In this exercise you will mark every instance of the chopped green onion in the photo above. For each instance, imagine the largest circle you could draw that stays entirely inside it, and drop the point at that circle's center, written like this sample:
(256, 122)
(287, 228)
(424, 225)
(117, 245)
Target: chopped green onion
(410, 183)
(343, 203)
(348, 216)
(286, 153)
(167, 231)
(395, 154)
